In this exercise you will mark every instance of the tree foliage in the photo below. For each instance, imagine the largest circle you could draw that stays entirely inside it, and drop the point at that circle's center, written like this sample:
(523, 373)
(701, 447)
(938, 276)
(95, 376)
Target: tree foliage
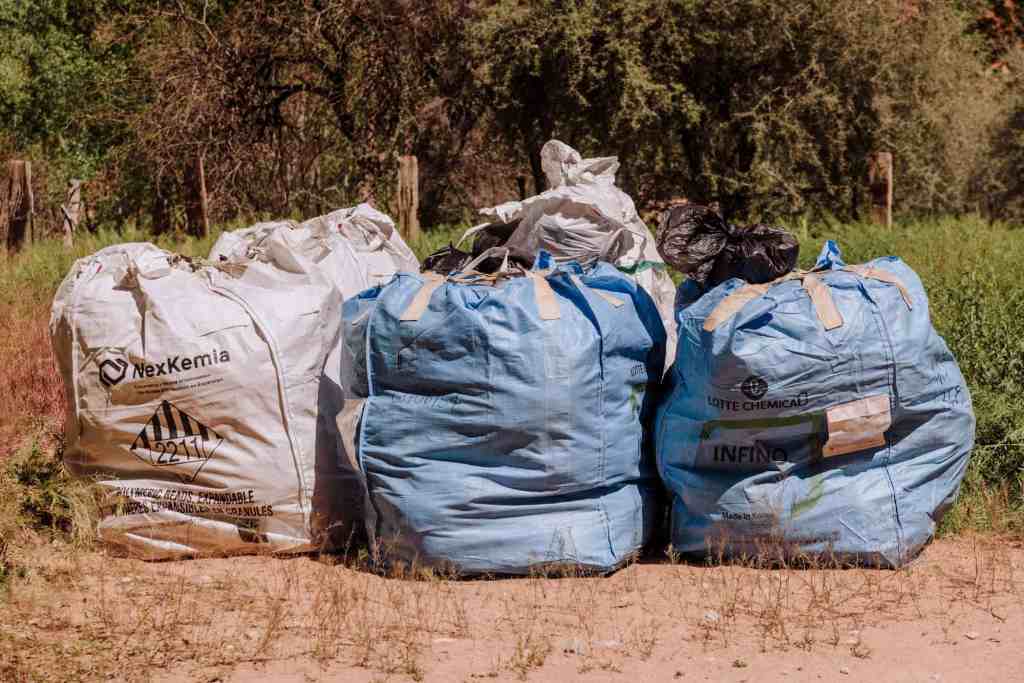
(769, 108)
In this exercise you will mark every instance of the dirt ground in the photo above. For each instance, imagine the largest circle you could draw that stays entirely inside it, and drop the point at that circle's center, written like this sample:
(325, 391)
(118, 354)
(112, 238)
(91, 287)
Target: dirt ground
(956, 614)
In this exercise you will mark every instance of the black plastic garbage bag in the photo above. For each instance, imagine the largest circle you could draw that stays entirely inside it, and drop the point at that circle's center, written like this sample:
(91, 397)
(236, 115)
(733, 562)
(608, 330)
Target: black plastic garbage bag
(450, 259)
(493, 235)
(446, 260)
(697, 241)
(498, 235)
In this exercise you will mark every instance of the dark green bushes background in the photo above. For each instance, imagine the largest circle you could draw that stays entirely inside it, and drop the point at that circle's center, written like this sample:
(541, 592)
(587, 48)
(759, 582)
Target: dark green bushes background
(767, 107)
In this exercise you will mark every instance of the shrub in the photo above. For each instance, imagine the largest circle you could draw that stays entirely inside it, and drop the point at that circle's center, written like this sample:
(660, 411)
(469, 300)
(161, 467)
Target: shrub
(771, 108)
(50, 498)
(38, 495)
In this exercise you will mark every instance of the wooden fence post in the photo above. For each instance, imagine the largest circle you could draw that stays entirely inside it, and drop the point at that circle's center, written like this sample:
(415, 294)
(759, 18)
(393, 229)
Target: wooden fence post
(16, 205)
(198, 209)
(72, 210)
(880, 187)
(29, 204)
(408, 198)
(204, 204)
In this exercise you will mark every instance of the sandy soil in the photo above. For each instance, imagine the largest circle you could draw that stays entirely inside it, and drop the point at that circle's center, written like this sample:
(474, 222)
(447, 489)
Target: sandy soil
(956, 614)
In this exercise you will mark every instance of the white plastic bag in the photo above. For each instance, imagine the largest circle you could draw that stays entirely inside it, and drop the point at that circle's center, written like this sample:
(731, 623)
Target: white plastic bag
(584, 217)
(356, 248)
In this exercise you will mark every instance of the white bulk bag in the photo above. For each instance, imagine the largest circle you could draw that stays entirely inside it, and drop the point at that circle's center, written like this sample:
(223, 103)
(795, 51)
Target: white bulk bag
(584, 216)
(193, 395)
(356, 248)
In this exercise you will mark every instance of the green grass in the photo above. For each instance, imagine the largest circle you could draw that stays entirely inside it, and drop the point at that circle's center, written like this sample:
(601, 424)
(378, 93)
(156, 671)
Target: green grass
(441, 236)
(33, 276)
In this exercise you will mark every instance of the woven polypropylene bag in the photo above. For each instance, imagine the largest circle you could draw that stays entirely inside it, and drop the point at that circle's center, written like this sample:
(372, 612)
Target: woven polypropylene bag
(818, 415)
(195, 397)
(500, 434)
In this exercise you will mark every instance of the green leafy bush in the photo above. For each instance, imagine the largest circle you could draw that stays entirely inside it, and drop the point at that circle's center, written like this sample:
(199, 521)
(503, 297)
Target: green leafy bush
(37, 494)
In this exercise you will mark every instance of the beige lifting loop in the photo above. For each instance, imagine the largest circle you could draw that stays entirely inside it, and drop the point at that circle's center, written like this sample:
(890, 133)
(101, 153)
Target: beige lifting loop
(547, 302)
(883, 276)
(818, 291)
(731, 305)
(611, 300)
(414, 311)
(824, 306)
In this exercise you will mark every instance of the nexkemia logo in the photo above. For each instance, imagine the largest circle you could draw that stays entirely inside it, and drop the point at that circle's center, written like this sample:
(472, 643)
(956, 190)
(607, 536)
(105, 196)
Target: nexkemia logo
(173, 438)
(112, 371)
(173, 364)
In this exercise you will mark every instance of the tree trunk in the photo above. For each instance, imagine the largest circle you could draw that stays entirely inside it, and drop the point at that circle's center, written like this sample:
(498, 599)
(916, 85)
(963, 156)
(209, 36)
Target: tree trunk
(16, 206)
(540, 181)
(880, 187)
(30, 205)
(72, 210)
(160, 210)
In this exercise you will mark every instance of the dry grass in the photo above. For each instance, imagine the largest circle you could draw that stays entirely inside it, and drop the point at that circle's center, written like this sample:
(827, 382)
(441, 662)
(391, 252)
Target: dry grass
(32, 398)
(100, 616)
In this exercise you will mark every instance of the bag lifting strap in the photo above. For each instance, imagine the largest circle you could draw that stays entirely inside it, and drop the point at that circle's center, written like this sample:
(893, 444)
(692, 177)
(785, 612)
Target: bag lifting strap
(824, 306)
(816, 289)
(731, 304)
(547, 302)
(414, 311)
(883, 276)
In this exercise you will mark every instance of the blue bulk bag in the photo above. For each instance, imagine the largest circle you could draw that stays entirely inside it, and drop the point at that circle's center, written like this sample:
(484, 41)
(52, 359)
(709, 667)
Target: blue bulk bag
(504, 423)
(820, 414)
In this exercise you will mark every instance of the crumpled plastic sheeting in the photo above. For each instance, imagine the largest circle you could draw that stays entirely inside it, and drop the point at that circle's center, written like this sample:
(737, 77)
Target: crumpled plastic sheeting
(357, 247)
(495, 441)
(583, 217)
(755, 407)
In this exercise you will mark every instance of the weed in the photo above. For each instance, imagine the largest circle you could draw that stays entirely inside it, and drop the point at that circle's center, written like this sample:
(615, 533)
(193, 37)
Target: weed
(51, 498)
(531, 651)
(645, 637)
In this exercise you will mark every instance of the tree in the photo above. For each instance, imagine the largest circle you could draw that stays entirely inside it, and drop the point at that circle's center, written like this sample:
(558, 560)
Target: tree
(301, 105)
(297, 106)
(766, 107)
(56, 75)
(581, 71)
